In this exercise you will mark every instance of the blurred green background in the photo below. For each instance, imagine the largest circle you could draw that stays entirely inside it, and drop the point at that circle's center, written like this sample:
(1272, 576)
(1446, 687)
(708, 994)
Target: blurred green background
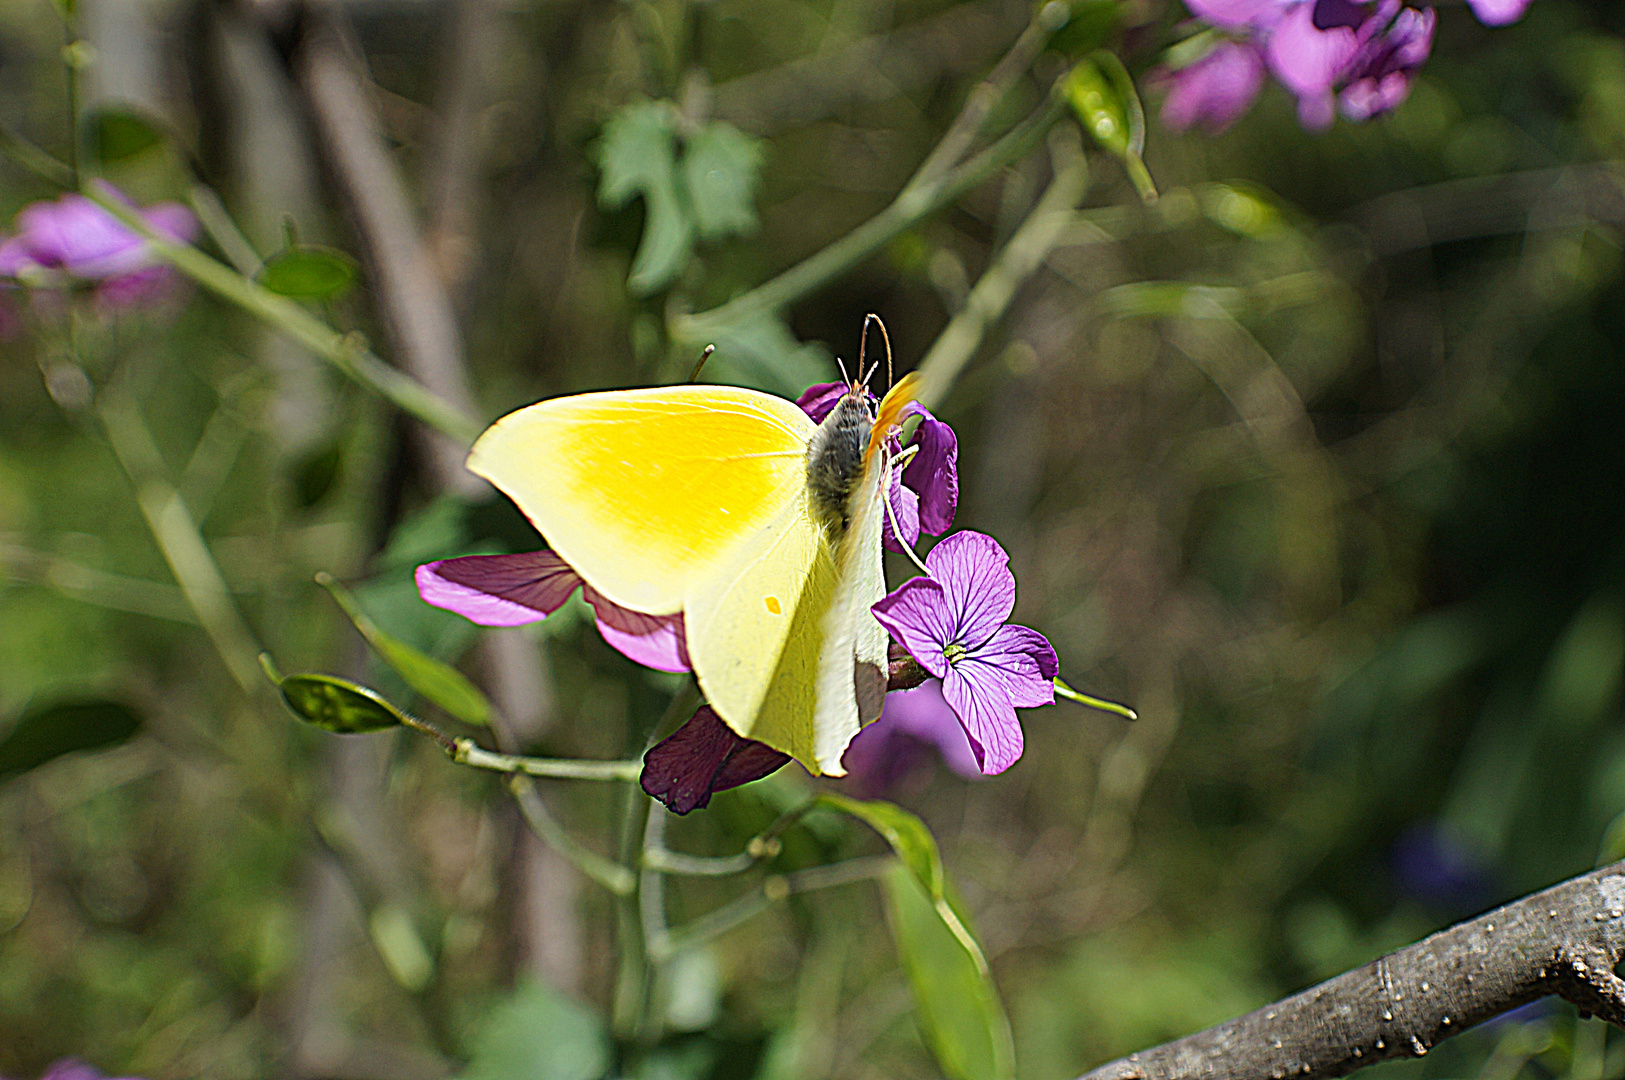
(1316, 461)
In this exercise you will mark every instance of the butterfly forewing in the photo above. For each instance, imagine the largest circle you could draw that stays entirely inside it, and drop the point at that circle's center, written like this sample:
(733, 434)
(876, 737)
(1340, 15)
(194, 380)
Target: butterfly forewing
(647, 493)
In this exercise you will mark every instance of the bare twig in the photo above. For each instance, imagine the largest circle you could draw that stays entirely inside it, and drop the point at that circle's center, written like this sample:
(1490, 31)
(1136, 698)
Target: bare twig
(1563, 941)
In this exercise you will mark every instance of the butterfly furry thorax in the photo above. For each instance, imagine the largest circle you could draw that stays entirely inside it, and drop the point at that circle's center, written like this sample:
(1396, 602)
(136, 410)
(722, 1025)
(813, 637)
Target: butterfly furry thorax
(836, 460)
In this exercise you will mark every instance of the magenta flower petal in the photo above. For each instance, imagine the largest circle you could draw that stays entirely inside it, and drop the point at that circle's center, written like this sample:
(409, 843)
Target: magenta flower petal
(499, 590)
(1309, 59)
(16, 257)
(818, 401)
(989, 719)
(1216, 90)
(934, 471)
(72, 1069)
(1236, 14)
(905, 507)
(976, 579)
(1387, 64)
(1024, 650)
(1498, 12)
(918, 616)
(655, 641)
(702, 757)
(924, 713)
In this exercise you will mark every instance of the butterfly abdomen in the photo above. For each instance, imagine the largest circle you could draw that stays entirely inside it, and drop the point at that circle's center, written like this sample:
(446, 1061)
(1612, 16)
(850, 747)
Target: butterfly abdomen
(835, 462)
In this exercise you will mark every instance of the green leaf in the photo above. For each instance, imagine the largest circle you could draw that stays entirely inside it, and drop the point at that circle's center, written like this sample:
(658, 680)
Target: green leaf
(638, 156)
(1102, 95)
(47, 733)
(337, 705)
(118, 132)
(440, 683)
(721, 165)
(309, 272)
(956, 1005)
(535, 1034)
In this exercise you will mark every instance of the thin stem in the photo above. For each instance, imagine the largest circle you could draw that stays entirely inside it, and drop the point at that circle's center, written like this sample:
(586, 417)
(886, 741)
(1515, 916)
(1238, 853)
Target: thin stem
(764, 845)
(612, 876)
(907, 210)
(1029, 246)
(113, 591)
(179, 540)
(35, 160)
(346, 352)
(1063, 690)
(987, 94)
(775, 889)
(216, 221)
(468, 752)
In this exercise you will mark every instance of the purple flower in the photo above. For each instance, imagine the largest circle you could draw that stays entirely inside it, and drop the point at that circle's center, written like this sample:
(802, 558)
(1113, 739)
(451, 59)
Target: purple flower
(1313, 46)
(702, 757)
(1498, 12)
(73, 239)
(888, 751)
(953, 623)
(1215, 90)
(1382, 73)
(512, 590)
(1237, 14)
(72, 1069)
(926, 493)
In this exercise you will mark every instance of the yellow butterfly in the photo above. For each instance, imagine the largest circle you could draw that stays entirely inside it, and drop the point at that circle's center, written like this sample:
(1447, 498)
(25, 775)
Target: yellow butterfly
(734, 508)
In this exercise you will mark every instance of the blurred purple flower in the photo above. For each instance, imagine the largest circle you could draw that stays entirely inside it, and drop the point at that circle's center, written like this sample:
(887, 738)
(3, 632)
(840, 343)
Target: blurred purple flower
(953, 623)
(1498, 12)
(926, 493)
(1362, 54)
(73, 239)
(1381, 75)
(73, 1069)
(702, 757)
(1215, 90)
(1433, 863)
(892, 748)
(512, 590)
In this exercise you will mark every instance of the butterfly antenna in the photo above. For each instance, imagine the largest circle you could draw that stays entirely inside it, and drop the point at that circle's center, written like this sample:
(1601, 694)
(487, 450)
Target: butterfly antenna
(845, 378)
(694, 375)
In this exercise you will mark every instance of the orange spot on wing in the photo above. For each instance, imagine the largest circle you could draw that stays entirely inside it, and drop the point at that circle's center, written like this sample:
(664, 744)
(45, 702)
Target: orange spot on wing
(773, 606)
(891, 409)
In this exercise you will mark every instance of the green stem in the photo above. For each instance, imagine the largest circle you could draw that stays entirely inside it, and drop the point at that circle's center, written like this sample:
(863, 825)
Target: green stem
(346, 352)
(92, 586)
(764, 845)
(34, 159)
(1029, 246)
(1063, 690)
(612, 876)
(179, 540)
(908, 209)
(742, 909)
(468, 752)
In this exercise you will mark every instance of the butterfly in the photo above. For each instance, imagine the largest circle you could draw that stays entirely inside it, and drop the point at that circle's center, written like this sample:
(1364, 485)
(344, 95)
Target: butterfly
(732, 507)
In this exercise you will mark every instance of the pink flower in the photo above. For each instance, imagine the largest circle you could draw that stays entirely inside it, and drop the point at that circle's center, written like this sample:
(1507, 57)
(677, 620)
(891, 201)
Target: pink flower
(953, 623)
(512, 590)
(1498, 12)
(1215, 90)
(74, 240)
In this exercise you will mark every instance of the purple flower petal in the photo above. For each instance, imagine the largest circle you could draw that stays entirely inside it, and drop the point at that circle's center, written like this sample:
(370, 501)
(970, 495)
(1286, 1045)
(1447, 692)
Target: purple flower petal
(701, 757)
(1215, 90)
(655, 641)
(819, 400)
(72, 1069)
(905, 507)
(1307, 59)
(925, 714)
(16, 257)
(1236, 14)
(1025, 664)
(934, 472)
(1381, 75)
(499, 590)
(1498, 12)
(918, 617)
(988, 717)
(980, 589)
